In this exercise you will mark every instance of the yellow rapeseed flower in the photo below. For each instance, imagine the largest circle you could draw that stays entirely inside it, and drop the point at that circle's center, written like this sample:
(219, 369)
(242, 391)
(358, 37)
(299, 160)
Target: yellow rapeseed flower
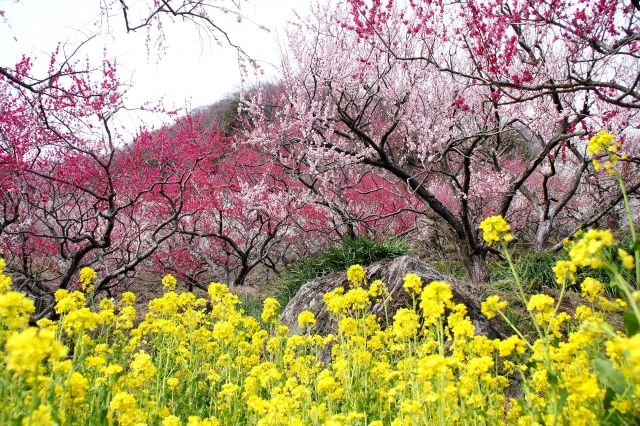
(306, 319)
(591, 287)
(122, 406)
(69, 301)
(142, 369)
(412, 283)
(26, 350)
(410, 406)
(604, 143)
(171, 421)
(87, 275)
(588, 250)
(15, 310)
(356, 299)
(169, 282)
(507, 346)
(335, 300)
(600, 142)
(492, 306)
(540, 302)
(325, 382)
(81, 320)
(347, 326)
(40, 417)
(377, 289)
(433, 300)
(77, 387)
(495, 229)
(228, 390)
(356, 274)
(565, 270)
(270, 310)
(106, 305)
(127, 298)
(405, 323)
(625, 258)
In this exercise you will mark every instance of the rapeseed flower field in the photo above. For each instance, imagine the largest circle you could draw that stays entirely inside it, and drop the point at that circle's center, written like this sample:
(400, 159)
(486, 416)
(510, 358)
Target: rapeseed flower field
(198, 361)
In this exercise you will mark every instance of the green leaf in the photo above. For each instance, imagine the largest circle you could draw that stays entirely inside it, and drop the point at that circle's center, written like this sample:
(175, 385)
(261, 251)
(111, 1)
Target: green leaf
(609, 396)
(636, 244)
(609, 376)
(631, 323)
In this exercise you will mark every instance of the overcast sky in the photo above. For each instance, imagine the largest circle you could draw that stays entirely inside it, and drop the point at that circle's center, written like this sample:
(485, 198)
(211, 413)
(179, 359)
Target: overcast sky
(193, 70)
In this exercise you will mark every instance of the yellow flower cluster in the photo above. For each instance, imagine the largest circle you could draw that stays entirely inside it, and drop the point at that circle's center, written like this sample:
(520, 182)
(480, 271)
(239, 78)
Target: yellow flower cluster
(588, 251)
(434, 299)
(565, 270)
(541, 303)
(87, 275)
(492, 306)
(412, 283)
(495, 229)
(306, 319)
(198, 362)
(26, 350)
(600, 143)
(15, 308)
(356, 275)
(270, 310)
(68, 301)
(355, 299)
(604, 143)
(625, 258)
(406, 323)
(591, 287)
(169, 282)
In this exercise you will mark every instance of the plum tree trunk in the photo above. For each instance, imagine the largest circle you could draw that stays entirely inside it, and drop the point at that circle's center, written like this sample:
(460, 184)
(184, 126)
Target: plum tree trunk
(542, 235)
(476, 266)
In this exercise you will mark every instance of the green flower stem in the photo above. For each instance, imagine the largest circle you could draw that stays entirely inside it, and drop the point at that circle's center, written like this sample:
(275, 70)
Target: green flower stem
(555, 310)
(626, 288)
(514, 328)
(520, 289)
(632, 228)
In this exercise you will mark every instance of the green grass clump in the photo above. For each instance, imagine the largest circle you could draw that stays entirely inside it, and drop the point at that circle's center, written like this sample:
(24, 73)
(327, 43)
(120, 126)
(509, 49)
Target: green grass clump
(451, 268)
(535, 270)
(361, 250)
(252, 305)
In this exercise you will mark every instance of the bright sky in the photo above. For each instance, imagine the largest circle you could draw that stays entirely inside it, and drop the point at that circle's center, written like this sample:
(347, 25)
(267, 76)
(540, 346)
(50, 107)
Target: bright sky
(193, 70)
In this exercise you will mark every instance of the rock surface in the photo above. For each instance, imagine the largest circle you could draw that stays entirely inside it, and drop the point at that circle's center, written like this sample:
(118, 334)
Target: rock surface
(391, 272)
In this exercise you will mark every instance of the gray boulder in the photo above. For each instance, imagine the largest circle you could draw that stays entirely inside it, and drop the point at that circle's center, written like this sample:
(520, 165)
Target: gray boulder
(391, 272)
